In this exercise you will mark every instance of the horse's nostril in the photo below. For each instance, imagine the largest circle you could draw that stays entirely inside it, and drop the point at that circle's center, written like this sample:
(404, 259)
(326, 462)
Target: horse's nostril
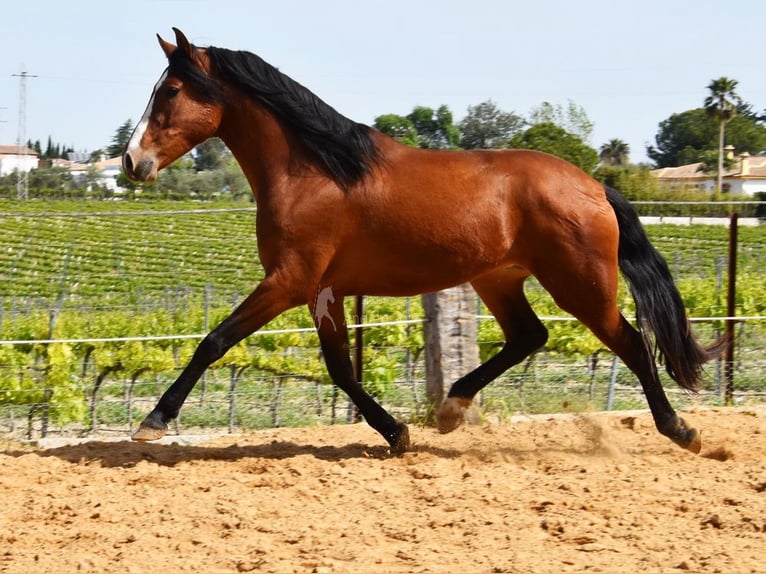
(143, 171)
(127, 164)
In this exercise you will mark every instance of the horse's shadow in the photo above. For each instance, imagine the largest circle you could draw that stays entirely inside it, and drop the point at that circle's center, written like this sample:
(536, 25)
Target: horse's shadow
(127, 454)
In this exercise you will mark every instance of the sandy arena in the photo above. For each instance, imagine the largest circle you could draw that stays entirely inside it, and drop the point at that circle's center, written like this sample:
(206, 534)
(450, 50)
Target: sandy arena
(597, 493)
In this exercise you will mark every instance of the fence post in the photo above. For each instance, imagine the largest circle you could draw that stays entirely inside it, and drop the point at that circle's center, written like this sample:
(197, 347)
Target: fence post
(728, 372)
(47, 392)
(353, 413)
(359, 338)
(205, 329)
(450, 334)
(612, 383)
(720, 264)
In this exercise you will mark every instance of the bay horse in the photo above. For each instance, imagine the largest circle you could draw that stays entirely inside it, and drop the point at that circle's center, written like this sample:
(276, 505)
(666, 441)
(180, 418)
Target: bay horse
(344, 210)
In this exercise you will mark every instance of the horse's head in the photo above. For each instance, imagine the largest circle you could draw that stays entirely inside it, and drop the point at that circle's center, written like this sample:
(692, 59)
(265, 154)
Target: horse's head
(184, 110)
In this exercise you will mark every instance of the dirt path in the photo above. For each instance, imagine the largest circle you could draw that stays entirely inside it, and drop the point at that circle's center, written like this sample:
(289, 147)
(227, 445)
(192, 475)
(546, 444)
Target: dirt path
(603, 493)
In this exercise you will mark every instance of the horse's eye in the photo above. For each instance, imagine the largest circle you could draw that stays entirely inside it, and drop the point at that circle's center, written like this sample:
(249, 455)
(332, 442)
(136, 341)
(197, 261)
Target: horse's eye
(172, 92)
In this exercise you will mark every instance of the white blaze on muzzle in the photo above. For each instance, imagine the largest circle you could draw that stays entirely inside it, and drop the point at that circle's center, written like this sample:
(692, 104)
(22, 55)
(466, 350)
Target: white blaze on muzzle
(138, 133)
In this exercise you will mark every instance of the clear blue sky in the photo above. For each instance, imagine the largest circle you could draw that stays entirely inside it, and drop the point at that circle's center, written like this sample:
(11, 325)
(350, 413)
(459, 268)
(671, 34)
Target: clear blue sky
(628, 64)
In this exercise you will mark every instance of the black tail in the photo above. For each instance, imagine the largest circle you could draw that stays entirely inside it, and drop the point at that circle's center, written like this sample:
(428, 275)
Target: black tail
(659, 307)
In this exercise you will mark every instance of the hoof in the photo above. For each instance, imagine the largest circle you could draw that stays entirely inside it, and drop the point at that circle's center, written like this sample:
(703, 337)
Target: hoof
(146, 433)
(686, 437)
(691, 442)
(400, 442)
(450, 414)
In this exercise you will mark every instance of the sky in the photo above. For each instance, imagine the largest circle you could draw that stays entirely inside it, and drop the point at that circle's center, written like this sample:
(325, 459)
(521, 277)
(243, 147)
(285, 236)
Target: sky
(629, 65)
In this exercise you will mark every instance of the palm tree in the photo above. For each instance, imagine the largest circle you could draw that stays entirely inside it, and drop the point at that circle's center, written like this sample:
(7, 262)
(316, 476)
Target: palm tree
(614, 153)
(721, 105)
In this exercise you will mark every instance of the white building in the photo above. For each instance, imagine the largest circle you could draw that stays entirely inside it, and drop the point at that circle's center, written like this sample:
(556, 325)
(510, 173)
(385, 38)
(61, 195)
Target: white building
(14, 158)
(108, 170)
(746, 177)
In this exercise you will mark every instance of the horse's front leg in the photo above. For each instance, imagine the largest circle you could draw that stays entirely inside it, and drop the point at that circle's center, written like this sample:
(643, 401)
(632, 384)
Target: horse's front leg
(267, 301)
(330, 322)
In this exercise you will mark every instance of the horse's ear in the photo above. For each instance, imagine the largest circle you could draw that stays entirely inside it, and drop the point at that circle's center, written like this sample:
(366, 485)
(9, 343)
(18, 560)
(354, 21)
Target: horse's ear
(183, 44)
(167, 47)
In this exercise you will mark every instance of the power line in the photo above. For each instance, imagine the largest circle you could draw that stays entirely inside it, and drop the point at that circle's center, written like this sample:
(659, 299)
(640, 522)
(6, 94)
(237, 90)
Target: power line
(22, 184)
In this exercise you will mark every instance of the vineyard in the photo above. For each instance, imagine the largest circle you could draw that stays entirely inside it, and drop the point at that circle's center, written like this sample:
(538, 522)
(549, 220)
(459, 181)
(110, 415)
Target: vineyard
(102, 303)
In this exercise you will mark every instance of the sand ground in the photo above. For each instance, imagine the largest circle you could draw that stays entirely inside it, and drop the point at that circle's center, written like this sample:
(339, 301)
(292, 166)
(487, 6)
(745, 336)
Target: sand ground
(595, 493)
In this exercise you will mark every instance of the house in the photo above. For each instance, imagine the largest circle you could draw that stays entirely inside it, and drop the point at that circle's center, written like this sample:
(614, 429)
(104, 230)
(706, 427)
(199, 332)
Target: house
(746, 176)
(13, 158)
(108, 169)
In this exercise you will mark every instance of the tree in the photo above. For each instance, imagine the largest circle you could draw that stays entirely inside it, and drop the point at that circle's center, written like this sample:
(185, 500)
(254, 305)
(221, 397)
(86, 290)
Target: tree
(487, 127)
(209, 155)
(95, 155)
(721, 105)
(681, 138)
(555, 140)
(614, 153)
(398, 127)
(50, 151)
(120, 139)
(635, 182)
(573, 119)
(687, 137)
(50, 179)
(35, 146)
(435, 129)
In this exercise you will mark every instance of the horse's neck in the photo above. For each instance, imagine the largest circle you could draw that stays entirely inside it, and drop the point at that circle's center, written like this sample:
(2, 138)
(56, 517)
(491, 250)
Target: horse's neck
(260, 145)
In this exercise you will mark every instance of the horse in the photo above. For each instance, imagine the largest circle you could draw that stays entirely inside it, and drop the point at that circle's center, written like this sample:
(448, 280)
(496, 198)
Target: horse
(344, 210)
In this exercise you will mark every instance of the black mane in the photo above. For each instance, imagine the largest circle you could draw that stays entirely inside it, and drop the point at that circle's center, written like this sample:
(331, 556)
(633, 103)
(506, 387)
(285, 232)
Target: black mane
(345, 149)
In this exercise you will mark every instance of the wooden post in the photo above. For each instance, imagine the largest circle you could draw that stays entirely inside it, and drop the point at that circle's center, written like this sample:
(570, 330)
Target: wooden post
(353, 413)
(450, 340)
(731, 294)
(358, 338)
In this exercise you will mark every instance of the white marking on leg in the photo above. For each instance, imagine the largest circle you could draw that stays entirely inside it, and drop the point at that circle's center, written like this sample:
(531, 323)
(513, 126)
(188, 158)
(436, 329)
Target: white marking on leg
(322, 307)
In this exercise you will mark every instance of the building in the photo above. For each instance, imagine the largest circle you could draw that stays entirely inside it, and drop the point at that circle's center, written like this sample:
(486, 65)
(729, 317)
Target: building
(13, 158)
(107, 169)
(747, 176)
(27, 159)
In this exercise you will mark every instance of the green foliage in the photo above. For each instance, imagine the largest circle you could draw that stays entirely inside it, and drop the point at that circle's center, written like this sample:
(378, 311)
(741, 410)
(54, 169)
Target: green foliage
(722, 101)
(684, 137)
(38, 374)
(572, 119)
(108, 276)
(485, 126)
(210, 154)
(52, 150)
(633, 181)
(435, 129)
(116, 257)
(550, 138)
(53, 178)
(398, 127)
(120, 139)
(614, 153)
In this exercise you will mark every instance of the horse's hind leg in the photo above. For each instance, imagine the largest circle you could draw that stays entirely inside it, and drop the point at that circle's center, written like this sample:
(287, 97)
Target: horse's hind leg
(628, 344)
(589, 293)
(503, 294)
